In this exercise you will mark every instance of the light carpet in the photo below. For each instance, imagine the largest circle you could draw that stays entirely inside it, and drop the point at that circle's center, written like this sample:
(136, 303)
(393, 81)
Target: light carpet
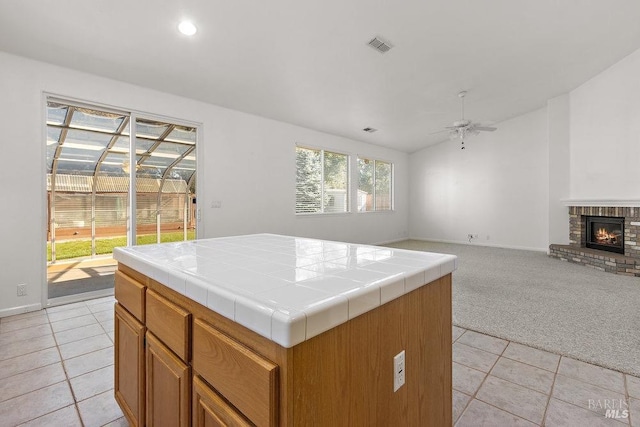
(529, 298)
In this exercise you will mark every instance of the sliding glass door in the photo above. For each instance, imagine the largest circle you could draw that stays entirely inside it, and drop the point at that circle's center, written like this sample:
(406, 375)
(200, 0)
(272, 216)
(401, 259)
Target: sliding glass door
(165, 182)
(106, 188)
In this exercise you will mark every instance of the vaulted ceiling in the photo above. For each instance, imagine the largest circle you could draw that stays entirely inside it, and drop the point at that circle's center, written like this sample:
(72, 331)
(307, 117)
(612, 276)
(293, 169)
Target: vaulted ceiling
(308, 62)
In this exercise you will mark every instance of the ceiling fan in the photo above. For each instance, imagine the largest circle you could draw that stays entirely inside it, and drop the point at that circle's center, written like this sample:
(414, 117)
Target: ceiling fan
(464, 127)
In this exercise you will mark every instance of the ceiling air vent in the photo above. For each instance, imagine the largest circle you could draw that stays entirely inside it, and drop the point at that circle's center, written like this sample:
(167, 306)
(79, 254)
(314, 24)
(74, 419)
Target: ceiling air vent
(370, 130)
(380, 45)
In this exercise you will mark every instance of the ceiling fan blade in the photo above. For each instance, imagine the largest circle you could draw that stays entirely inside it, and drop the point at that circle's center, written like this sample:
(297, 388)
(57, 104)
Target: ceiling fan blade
(464, 127)
(440, 131)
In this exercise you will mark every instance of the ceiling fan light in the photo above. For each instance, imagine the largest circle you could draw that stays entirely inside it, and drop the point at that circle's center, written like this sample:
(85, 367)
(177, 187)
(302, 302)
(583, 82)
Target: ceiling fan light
(465, 127)
(457, 134)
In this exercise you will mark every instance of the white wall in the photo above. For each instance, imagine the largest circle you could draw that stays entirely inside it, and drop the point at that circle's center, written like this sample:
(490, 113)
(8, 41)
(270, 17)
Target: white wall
(497, 187)
(559, 172)
(258, 190)
(246, 162)
(605, 134)
(584, 145)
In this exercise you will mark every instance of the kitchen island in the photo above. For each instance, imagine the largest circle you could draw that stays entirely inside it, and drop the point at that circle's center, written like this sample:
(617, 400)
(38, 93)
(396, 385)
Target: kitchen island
(277, 330)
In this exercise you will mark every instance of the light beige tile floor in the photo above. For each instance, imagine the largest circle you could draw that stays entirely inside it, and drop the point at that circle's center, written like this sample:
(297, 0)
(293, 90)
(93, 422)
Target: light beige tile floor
(501, 383)
(56, 369)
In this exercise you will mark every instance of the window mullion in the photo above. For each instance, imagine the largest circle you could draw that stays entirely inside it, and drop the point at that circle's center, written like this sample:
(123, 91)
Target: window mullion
(390, 189)
(375, 196)
(132, 196)
(321, 181)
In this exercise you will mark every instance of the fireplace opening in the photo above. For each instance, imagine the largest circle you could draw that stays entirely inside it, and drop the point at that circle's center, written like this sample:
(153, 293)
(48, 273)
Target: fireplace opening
(605, 233)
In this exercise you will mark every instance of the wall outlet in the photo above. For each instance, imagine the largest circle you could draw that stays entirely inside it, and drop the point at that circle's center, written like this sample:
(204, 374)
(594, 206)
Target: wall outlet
(216, 204)
(398, 371)
(22, 290)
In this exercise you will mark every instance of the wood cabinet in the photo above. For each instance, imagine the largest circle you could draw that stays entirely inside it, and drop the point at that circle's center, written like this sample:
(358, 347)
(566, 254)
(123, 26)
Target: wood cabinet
(152, 354)
(204, 369)
(211, 410)
(244, 378)
(129, 365)
(130, 294)
(170, 323)
(168, 386)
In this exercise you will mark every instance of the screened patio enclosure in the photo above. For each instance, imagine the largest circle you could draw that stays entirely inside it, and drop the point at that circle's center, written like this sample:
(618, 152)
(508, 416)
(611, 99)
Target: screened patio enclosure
(91, 205)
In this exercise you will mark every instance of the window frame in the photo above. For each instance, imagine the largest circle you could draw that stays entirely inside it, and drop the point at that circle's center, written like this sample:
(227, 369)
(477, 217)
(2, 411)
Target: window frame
(373, 177)
(348, 188)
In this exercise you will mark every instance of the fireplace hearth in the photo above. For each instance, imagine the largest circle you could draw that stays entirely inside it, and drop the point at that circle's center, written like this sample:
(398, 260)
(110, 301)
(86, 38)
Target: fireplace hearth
(605, 233)
(605, 238)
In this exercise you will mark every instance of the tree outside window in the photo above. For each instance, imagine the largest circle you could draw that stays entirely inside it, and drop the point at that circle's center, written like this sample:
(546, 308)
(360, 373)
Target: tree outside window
(322, 181)
(375, 179)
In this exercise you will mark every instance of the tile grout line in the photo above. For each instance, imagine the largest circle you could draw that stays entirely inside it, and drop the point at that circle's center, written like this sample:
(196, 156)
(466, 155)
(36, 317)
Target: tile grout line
(66, 374)
(487, 376)
(532, 346)
(593, 382)
(66, 379)
(553, 385)
(74, 397)
(576, 379)
(472, 397)
(513, 360)
(556, 373)
(627, 397)
(483, 381)
(549, 395)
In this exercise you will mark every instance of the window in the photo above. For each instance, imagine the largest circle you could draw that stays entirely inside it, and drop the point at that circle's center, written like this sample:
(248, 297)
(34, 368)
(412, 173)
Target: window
(322, 181)
(375, 183)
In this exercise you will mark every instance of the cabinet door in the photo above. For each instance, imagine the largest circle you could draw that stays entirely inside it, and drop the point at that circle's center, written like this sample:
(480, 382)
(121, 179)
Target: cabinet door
(243, 377)
(129, 366)
(210, 410)
(168, 386)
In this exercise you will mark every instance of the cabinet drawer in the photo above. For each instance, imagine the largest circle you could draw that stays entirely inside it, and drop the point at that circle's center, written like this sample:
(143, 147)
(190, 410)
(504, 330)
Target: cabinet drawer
(130, 294)
(244, 378)
(170, 323)
(211, 410)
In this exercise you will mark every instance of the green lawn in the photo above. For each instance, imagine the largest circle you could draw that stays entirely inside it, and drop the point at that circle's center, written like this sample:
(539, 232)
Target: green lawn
(82, 248)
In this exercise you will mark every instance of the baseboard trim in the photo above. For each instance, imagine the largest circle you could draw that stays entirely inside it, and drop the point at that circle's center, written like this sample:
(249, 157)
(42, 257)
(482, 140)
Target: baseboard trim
(464, 242)
(20, 310)
(388, 242)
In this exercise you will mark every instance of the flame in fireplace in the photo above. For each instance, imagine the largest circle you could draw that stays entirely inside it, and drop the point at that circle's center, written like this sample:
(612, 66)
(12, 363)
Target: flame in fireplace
(604, 236)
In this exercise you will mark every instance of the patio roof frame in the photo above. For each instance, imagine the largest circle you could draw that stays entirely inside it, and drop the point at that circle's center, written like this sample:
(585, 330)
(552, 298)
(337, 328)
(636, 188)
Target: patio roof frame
(128, 123)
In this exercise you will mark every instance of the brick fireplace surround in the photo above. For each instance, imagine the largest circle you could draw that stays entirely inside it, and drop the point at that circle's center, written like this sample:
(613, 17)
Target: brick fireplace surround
(576, 251)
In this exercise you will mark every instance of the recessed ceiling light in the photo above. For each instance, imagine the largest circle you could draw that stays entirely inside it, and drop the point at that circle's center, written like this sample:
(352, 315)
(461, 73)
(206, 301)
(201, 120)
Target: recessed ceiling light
(187, 28)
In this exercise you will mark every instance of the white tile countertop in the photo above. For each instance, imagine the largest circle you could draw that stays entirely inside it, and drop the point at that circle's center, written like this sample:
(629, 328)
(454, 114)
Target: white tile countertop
(287, 289)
